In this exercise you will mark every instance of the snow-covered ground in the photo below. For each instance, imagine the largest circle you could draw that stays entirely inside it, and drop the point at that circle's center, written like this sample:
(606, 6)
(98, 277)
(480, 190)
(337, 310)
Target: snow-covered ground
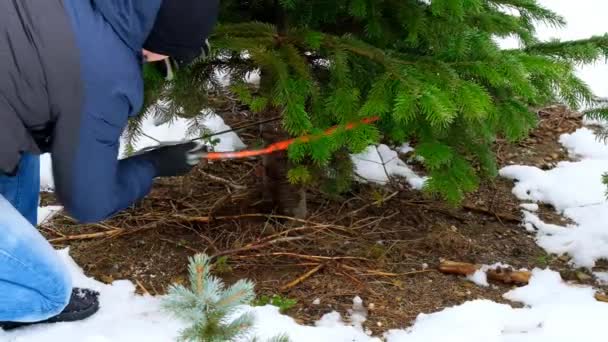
(553, 311)
(575, 189)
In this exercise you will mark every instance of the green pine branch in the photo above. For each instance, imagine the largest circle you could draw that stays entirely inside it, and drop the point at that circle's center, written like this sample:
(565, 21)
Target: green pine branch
(431, 71)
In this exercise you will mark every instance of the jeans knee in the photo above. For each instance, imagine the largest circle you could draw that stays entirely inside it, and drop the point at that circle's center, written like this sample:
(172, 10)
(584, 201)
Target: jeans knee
(57, 295)
(26, 304)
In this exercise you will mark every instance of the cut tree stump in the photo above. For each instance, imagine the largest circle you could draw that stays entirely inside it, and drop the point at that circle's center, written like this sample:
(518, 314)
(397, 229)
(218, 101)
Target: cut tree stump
(499, 274)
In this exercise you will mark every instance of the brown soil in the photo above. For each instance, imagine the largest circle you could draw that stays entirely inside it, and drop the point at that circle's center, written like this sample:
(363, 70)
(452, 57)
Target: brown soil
(380, 244)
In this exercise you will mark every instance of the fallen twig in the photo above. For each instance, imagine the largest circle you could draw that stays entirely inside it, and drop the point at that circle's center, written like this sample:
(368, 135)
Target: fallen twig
(258, 246)
(143, 289)
(302, 278)
(90, 236)
(209, 219)
(385, 199)
(53, 231)
(384, 274)
(306, 257)
(223, 181)
(505, 217)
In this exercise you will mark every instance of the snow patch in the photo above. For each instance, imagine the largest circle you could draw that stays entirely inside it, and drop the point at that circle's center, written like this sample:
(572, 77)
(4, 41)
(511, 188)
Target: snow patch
(227, 141)
(602, 278)
(530, 206)
(584, 144)
(47, 182)
(555, 311)
(47, 213)
(576, 190)
(358, 314)
(177, 130)
(586, 241)
(480, 278)
(406, 148)
(377, 164)
(570, 184)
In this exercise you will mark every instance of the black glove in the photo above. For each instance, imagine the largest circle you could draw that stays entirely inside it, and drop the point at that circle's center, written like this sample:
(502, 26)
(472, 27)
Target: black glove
(172, 159)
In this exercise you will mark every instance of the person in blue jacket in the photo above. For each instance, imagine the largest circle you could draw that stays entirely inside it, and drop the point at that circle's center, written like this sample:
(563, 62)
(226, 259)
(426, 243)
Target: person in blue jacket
(70, 78)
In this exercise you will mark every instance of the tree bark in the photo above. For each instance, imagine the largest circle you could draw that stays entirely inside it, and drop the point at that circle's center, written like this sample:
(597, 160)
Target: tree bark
(286, 198)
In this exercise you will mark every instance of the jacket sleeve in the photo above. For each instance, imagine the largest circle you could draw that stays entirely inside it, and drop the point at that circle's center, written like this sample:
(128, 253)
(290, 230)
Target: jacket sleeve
(90, 181)
(132, 19)
(13, 139)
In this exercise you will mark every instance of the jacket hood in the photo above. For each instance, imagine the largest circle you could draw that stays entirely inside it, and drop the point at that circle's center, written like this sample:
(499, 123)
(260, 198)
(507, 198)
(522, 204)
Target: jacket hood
(131, 19)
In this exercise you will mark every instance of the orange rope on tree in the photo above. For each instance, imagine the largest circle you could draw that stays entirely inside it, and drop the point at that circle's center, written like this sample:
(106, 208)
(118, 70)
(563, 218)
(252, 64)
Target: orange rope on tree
(283, 145)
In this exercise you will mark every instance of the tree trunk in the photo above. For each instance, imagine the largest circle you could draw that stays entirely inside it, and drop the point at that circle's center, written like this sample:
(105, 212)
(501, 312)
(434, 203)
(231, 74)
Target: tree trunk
(286, 198)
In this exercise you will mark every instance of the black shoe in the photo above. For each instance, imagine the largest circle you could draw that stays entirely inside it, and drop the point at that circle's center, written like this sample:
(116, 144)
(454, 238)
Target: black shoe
(83, 304)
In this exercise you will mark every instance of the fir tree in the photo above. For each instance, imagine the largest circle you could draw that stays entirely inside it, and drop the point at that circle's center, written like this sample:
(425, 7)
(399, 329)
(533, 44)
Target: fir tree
(430, 69)
(206, 305)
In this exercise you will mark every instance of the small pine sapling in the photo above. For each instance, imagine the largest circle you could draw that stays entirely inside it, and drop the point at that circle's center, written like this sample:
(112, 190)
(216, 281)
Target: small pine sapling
(206, 306)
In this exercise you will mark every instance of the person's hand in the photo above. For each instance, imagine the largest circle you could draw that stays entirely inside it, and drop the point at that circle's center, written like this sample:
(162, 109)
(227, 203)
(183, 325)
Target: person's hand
(174, 159)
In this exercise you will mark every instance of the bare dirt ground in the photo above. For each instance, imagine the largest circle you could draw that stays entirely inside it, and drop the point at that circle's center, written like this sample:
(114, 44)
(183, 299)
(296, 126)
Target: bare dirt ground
(382, 244)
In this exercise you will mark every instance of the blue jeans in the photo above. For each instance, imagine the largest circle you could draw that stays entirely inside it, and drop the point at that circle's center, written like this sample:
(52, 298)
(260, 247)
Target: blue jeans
(34, 281)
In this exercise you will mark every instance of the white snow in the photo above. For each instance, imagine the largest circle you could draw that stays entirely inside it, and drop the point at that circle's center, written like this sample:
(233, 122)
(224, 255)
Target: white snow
(530, 206)
(358, 314)
(46, 213)
(584, 144)
(177, 130)
(406, 148)
(602, 277)
(576, 190)
(568, 185)
(47, 183)
(377, 164)
(480, 278)
(227, 141)
(554, 311)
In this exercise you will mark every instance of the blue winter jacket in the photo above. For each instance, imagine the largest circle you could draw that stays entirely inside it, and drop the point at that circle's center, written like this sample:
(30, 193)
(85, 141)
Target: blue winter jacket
(71, 77)
(109, 35)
